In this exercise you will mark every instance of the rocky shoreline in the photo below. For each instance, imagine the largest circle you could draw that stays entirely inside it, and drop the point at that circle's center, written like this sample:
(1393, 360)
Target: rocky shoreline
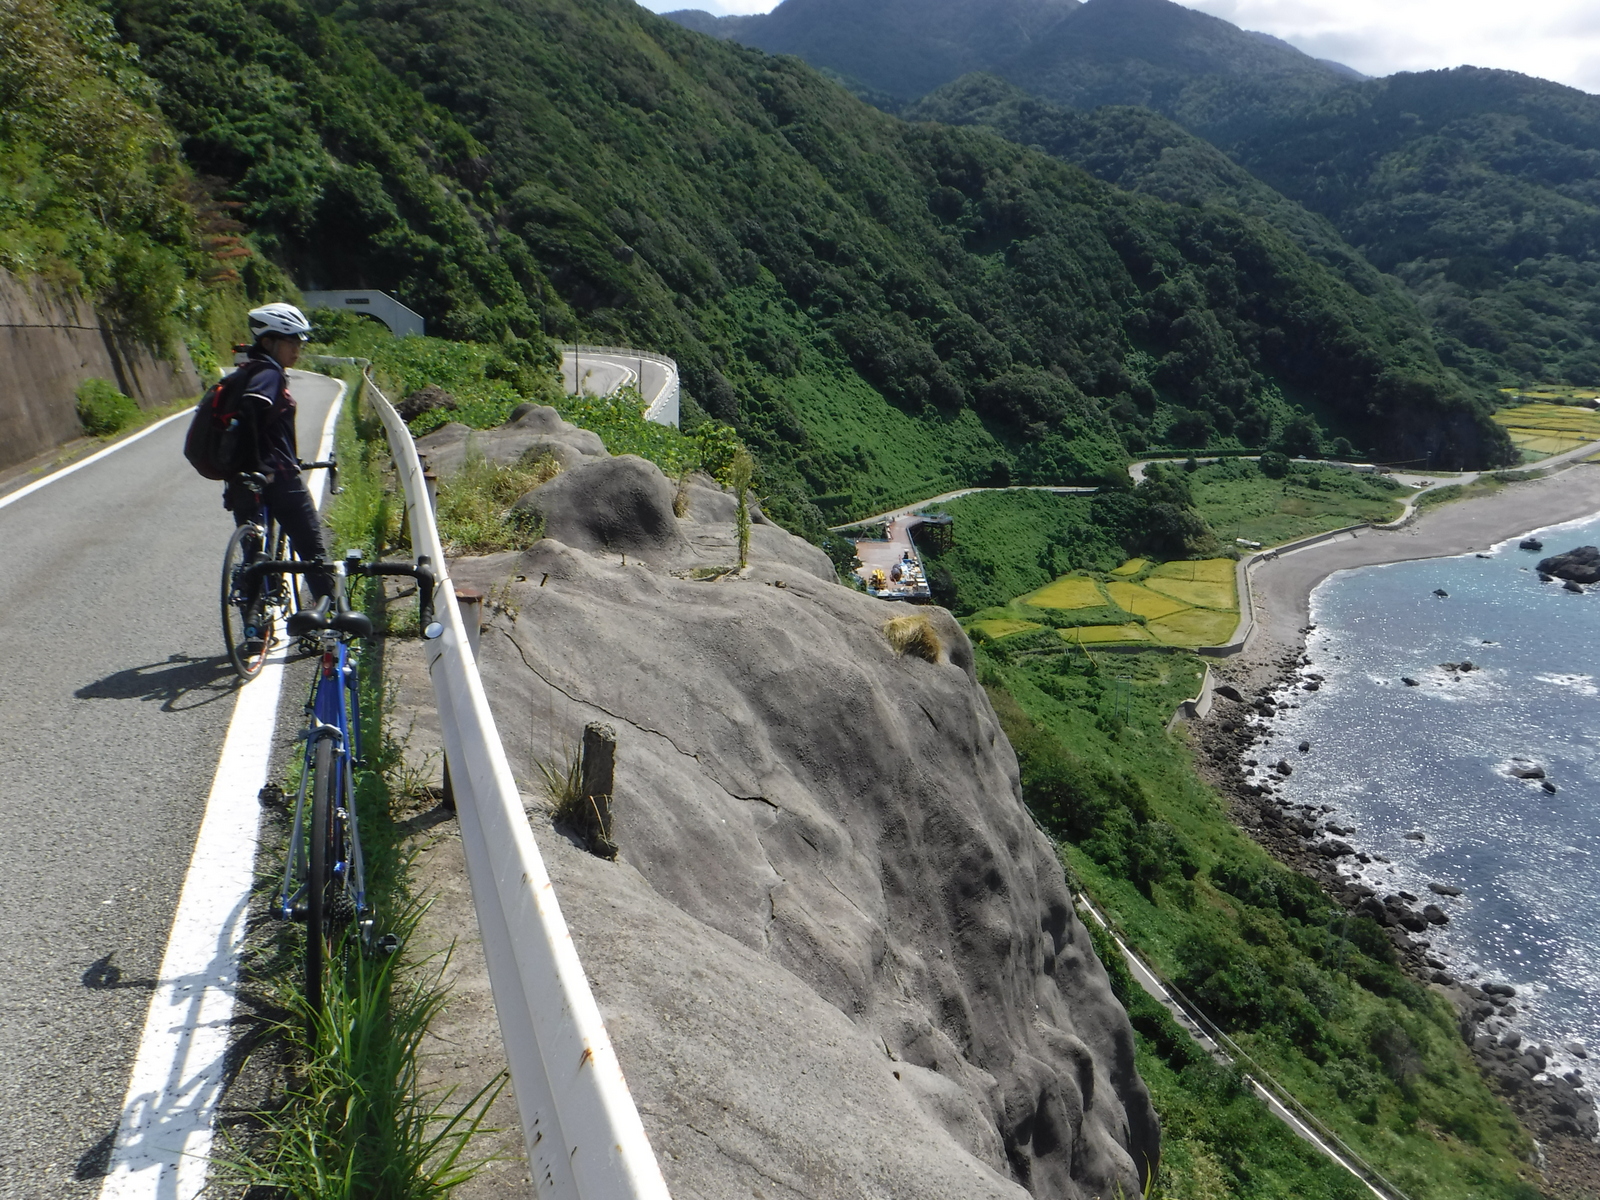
(1238, 755)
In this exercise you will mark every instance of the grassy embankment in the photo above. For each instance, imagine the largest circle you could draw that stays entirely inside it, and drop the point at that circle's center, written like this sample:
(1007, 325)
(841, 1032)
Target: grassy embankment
(486, 385)
(1310, 992)
(1239, 500)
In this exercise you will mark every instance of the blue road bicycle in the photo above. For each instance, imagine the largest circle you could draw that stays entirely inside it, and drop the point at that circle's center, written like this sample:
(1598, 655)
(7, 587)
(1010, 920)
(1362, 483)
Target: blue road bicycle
(324, 880)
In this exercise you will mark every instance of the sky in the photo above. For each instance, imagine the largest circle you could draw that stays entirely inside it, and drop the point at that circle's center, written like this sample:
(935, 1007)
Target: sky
(1553, 39)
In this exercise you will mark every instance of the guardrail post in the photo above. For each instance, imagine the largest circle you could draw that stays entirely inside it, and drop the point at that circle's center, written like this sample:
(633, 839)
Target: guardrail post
(597, 777)
(470, 601)
(431, 482)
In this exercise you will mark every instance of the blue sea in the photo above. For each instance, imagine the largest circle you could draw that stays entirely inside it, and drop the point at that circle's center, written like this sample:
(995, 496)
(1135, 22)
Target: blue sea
(1435, 759)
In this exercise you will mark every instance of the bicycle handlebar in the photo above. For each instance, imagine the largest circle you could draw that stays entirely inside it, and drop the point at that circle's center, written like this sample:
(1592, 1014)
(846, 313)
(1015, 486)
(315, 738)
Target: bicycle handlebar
(421, 571)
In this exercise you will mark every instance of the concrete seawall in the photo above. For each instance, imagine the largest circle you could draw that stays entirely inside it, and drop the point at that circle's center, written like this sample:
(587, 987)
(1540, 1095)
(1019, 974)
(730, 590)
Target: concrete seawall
(51, 341)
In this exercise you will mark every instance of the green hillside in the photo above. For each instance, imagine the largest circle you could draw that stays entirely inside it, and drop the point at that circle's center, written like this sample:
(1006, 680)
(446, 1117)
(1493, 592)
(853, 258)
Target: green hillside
(93, 196)
(884, 310)
(1475, 187)
(1480, 189)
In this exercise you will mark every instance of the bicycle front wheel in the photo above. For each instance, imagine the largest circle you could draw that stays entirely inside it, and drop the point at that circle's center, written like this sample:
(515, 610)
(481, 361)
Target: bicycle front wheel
(318, 882)
(246, 617)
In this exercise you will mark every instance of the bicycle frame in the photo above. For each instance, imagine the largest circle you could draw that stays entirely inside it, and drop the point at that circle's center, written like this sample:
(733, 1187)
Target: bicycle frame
(324, 878)
(334, 714)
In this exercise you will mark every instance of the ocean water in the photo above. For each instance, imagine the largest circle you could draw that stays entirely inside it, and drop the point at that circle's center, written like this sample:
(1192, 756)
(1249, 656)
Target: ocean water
(1392, 759)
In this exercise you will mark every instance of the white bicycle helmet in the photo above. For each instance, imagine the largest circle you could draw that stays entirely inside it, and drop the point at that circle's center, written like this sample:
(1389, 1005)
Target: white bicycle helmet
(282, 320)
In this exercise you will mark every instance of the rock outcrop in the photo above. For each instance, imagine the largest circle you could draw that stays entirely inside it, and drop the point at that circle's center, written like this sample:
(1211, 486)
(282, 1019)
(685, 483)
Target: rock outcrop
(836, 956)
(533, 431)
(1576, 566)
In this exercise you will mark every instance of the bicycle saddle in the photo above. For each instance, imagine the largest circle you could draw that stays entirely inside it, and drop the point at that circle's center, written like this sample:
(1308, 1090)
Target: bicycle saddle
(310, 620)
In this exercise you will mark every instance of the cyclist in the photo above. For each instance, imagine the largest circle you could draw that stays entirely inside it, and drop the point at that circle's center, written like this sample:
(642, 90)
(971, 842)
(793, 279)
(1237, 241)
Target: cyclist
(279, 330)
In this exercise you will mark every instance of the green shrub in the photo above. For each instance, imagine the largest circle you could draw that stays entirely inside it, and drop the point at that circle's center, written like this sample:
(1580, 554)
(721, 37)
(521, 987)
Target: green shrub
(102, 410)
(1273, 464)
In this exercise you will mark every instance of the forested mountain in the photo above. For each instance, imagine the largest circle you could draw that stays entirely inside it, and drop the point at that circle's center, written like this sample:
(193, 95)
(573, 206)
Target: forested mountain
(1152, 53)
(900, 48)
(1477, 188)
(878, 306)
(1142, 151)
(1193, 67)
(1480, 189)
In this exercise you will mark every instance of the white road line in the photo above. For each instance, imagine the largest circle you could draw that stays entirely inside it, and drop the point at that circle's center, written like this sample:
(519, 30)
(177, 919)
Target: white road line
(164, 1136)
(13, 497)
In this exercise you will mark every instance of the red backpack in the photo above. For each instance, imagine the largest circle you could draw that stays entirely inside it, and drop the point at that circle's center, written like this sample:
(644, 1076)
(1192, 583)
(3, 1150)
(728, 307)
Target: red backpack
(219, 441)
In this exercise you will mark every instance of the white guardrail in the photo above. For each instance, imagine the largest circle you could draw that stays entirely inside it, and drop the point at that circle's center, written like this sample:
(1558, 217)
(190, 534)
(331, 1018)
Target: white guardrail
(584, 1136)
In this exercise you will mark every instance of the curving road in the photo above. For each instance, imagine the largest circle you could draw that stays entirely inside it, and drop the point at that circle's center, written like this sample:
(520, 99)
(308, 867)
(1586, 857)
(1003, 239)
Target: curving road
(114, 701)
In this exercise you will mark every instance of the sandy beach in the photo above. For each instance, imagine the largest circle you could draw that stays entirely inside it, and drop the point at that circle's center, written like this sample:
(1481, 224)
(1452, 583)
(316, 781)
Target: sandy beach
(1281, 587)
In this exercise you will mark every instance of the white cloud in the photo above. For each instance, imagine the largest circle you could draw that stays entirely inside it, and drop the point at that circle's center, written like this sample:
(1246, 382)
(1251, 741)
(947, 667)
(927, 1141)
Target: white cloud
(1553, 39)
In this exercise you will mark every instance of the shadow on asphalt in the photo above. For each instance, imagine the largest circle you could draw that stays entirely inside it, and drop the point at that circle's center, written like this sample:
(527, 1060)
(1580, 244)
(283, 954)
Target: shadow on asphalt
(96, 1160)
(104, 975)
(180, 683)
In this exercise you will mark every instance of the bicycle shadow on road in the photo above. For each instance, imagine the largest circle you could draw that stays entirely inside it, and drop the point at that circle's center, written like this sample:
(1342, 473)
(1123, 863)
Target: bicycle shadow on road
(181, 683)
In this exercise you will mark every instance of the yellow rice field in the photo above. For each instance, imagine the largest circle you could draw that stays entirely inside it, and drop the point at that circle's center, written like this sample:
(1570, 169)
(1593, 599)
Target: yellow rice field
(1000, 627)
(1132, 567)
(1201, 594)
(1207, 570)
(1089, 635)
(1067, 592)
(1194, 627)
(1549, 428)
(1142, 602)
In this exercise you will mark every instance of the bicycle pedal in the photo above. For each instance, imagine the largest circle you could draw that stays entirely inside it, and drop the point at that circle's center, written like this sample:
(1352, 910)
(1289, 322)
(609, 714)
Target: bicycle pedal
(271, 796)
(387, 944)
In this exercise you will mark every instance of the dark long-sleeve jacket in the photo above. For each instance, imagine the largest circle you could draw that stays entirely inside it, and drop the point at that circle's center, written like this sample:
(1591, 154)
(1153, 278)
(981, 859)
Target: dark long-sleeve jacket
(272, 410)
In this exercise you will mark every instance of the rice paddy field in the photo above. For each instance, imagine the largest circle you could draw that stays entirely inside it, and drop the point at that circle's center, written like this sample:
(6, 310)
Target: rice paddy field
(1186, 604)
(1542, 429)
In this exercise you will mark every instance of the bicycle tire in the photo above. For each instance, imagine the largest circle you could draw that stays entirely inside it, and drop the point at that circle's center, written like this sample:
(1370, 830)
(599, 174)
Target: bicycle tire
(247, 653)
(281, 552)
(317, 875)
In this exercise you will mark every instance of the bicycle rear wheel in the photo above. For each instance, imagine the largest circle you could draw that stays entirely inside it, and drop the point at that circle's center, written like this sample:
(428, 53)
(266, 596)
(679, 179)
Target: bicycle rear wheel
(318, 882)
(246, 617)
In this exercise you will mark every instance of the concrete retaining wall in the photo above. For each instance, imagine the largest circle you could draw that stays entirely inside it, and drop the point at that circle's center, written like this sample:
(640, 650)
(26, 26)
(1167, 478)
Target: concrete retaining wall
(51, 341)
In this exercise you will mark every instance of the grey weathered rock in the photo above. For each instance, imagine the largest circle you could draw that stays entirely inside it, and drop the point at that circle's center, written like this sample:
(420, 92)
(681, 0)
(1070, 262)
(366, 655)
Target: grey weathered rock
(836, 957)
(533, 431)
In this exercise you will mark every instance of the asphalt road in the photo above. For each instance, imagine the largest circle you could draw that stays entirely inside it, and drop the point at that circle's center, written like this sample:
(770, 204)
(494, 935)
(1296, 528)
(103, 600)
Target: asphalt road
(114, 698)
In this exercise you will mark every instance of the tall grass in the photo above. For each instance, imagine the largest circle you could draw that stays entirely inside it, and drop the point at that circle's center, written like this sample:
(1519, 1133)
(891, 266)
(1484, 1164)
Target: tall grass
(475, 513)
(356, 1123)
